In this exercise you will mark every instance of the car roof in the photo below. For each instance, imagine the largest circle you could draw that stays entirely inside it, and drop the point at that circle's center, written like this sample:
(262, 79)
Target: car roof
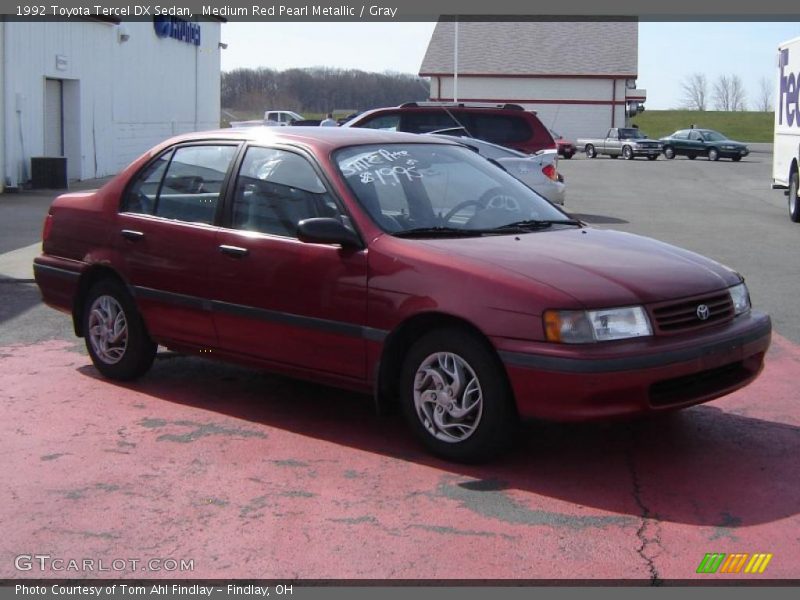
(447, 107)
(320, 138)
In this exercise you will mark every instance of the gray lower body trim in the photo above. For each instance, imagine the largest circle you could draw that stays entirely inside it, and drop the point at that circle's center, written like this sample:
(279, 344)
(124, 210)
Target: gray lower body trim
(262, 314)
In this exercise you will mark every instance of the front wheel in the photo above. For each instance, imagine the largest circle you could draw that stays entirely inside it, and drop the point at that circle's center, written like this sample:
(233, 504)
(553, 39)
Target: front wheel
(669, 152)
(455, 397)
(794, 205)
(713, 154)
(116, 338)
(627, 153)
(590, 151)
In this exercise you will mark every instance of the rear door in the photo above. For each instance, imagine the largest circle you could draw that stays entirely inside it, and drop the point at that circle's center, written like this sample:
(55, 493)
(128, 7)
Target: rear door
(680, 142)
(277, 298)
(166, 238)
(427, 121)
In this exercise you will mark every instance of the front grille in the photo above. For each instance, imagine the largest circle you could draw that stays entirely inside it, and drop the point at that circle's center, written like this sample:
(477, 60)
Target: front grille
(676, 317)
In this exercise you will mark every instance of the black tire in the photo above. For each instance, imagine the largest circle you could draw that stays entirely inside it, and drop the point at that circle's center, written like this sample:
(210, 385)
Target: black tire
(569, 155)
(736, 158)
(137, 355)
(590, 151)
(493, 429)
(794, 201)
(669, 152)
(627, 153)
(713, 154)
(691, 156)
(652, 156)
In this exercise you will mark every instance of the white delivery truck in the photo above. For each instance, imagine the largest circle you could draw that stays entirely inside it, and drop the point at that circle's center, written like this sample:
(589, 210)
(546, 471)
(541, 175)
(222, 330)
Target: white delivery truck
(786, 150)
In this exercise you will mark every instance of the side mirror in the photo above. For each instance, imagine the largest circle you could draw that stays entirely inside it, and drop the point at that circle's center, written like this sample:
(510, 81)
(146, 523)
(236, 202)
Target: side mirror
(324, 230)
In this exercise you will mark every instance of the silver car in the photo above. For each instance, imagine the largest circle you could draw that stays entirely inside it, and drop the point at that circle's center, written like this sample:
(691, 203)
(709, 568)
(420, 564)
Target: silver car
(538, 171)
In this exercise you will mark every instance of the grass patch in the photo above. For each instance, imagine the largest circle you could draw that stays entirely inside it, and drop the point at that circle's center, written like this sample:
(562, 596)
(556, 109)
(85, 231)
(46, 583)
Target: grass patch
(739, 126)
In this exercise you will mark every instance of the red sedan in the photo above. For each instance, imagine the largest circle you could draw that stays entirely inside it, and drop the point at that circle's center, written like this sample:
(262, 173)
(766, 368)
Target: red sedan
(395, 264)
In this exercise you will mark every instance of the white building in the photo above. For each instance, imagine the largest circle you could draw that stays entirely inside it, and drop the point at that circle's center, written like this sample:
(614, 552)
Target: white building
(101, 92)
(580, 77)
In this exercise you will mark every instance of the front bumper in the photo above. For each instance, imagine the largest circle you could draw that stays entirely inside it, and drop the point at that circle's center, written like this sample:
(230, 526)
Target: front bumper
(733, 153)
(580, 382)
(647, 151)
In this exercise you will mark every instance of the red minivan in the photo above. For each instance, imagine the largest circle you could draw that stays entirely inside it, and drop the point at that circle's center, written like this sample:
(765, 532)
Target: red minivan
(400, 265)
(507, 125)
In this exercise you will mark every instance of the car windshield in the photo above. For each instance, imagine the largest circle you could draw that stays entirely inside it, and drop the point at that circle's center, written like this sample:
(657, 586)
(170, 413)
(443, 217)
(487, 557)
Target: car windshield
(441, 189)
(631, 133)
(713, 136)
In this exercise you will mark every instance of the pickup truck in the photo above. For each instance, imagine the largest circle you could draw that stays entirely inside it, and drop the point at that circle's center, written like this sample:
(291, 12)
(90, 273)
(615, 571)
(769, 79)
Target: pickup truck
(275, 118)
(627, 142)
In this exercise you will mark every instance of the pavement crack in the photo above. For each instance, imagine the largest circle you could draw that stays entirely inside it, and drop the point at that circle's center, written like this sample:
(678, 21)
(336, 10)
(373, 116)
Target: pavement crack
(649, 531)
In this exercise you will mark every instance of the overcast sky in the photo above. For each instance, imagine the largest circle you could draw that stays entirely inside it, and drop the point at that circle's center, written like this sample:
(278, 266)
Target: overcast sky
(667, 51)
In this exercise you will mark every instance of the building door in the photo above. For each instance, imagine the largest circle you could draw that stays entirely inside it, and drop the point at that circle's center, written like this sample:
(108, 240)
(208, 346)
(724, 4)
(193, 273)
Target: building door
(53, 118)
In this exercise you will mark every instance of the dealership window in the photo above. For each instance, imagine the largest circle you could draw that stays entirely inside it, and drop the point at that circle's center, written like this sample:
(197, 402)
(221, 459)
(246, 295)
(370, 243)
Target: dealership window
(184, 185)
(275, 190)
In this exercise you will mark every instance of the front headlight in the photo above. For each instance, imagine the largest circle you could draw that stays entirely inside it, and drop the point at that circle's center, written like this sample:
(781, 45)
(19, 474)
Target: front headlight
(740, 298)
(587, 326)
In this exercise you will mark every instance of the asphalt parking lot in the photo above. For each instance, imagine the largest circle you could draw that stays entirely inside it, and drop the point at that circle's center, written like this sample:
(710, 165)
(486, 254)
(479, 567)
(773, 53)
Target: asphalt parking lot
(254, 476)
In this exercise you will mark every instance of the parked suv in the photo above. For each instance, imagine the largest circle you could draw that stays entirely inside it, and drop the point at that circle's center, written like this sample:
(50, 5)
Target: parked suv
(508, 125)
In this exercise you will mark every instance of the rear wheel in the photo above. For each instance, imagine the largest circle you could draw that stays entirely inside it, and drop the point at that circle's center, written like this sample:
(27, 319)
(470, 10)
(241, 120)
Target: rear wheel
(794, 205)
(669, 152)
(590, 151)
(713, 154)
(116, 338)
(455, 396)
(736, 158)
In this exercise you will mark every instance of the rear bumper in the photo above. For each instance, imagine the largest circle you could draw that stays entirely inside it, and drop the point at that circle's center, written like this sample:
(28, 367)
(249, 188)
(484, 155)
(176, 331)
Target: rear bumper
(57, 279)
(551, 381)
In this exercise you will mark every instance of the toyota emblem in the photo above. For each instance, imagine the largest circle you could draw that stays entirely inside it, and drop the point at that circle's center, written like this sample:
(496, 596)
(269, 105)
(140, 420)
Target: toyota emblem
(703, 312)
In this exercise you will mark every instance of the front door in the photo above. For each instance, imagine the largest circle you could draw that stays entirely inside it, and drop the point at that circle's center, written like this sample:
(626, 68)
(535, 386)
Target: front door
(277, 298)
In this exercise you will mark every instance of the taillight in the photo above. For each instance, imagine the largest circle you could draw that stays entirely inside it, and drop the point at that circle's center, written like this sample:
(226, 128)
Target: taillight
(48, 225)
(550, 172)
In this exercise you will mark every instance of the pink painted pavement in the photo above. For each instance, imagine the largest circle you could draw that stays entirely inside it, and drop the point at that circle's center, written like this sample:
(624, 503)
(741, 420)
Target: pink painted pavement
(255, 476)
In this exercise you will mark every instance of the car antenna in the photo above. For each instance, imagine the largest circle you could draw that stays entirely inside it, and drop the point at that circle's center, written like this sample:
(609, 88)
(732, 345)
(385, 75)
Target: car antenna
(451, 115)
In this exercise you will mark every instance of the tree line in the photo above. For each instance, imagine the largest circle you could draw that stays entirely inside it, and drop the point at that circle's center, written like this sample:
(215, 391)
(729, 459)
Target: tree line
(727, 93)
(318, 89)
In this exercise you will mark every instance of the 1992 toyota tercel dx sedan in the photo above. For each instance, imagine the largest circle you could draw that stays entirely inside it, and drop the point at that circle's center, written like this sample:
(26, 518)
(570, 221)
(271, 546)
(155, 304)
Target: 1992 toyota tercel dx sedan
(396, 264)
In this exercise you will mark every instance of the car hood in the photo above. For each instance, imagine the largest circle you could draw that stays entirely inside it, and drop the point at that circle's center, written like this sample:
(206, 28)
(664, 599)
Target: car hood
(729, 143)
(598, 268)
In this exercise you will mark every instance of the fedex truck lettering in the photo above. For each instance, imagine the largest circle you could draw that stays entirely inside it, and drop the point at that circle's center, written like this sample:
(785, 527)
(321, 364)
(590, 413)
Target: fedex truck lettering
(790, 84)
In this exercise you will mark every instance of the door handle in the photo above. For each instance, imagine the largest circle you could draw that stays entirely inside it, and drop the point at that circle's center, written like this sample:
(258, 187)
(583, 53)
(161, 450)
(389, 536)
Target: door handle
(234, 251)
(130, 234)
